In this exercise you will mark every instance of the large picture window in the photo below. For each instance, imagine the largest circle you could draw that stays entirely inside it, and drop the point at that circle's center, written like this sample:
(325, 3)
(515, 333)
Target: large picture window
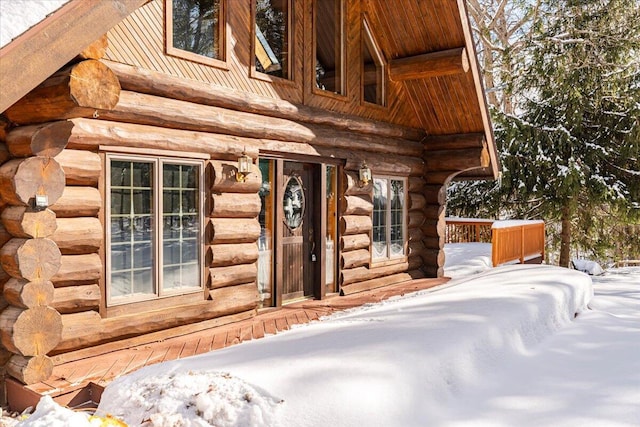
(195, 30)
(155, 217)
(389, 213)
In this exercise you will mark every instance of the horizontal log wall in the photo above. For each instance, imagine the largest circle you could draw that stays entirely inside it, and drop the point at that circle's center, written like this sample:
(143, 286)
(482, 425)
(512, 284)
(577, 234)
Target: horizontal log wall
(5, 355)
(29, 326)
(445, 156)
(416, 220)
(356, 273)
(356, 208)
(234, 229)
(140, 123)
(161, 84)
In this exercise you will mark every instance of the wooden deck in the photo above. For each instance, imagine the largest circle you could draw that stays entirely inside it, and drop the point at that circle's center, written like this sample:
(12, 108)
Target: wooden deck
(80, 382)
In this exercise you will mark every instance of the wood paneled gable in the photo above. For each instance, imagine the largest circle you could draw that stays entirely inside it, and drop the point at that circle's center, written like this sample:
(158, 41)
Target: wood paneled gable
(139, 41)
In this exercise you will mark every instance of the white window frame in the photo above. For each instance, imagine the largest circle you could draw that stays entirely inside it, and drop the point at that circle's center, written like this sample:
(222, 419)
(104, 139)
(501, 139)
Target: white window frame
(389, 256)
(157, 231)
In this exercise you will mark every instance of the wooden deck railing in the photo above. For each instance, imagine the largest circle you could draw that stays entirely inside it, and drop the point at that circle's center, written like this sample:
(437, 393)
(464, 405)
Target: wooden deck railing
(511, 241)
(464, 230)
(520, 241)
(627, 263)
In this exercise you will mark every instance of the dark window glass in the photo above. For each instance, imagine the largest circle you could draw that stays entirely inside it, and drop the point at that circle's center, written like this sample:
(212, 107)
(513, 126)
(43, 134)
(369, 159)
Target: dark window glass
(272, 37)
(197, 26)
(329, 45)
(372, 69)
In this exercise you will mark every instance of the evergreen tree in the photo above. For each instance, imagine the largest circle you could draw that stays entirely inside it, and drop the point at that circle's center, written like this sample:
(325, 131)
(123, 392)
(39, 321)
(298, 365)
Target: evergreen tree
(571, 148)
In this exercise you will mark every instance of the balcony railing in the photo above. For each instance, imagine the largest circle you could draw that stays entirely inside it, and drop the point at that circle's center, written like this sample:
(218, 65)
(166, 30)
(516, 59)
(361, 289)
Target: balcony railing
(465, 230)
(514, 241)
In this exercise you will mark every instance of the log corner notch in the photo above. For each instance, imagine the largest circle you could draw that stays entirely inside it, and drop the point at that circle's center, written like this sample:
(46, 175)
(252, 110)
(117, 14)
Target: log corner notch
(78, 90)
(445, 157)
(433, 64)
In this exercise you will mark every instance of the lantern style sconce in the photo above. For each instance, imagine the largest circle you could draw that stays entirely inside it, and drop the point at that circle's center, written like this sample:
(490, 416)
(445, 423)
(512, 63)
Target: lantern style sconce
(244, 167)
(364, 174)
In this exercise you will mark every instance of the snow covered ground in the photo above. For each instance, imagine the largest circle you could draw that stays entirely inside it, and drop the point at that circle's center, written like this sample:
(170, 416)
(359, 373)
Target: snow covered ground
(517, 345)
(465, 259)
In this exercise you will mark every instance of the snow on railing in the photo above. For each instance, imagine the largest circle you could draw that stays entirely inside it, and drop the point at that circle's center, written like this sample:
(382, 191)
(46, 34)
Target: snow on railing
(511, 241)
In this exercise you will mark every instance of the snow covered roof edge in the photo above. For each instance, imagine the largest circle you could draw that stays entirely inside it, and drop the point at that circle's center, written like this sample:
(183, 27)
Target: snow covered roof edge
(18, 16)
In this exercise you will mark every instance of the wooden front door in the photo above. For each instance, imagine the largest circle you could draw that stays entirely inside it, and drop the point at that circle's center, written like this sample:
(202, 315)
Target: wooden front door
(299, 253)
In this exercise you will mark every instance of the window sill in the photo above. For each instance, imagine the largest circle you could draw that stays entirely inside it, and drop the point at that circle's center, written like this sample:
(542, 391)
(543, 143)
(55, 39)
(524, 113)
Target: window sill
(374, 106)
(329, 94)
(200, 59)
(254, 74)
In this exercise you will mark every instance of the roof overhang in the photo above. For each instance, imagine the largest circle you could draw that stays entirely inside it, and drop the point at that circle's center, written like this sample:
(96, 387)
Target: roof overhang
(493, 170)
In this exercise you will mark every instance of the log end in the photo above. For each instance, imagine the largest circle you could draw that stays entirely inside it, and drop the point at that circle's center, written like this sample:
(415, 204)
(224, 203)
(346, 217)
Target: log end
(30, 370)
(94, 85)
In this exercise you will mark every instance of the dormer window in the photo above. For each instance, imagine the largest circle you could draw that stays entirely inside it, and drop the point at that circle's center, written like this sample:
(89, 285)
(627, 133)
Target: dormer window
(195, 30)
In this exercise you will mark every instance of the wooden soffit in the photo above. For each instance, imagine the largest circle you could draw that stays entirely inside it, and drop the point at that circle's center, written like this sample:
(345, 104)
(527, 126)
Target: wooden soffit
(43, 49)
(431, 53)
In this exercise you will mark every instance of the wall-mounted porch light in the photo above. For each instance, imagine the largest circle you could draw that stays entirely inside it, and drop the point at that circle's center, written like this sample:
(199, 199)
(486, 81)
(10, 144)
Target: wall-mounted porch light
(244, 167)
(364, 174)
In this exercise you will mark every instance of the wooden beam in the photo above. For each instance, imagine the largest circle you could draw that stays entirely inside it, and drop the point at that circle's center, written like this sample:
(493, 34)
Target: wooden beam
(434, 64)
(454, 141)
(378, 282)
(156, 83)
(164, 112)
(84, 329)
(45, 48)
(95, 50)
(79, 90)
(456, 160)
(73, 299)
(183, 329)
(46, 140)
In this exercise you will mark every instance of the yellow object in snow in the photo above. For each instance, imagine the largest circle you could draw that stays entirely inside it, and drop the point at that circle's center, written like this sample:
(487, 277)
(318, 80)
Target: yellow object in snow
(108, 421)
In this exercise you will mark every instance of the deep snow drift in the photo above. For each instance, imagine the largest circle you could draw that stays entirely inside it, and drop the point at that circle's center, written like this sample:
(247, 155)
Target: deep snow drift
(501, 348)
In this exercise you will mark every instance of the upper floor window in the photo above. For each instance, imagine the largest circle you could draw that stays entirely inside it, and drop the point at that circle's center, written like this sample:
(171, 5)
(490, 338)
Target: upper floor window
(195, 29)
(373, 68)
(155, 217)
(389, 213)
(272, 32)
(328, 26)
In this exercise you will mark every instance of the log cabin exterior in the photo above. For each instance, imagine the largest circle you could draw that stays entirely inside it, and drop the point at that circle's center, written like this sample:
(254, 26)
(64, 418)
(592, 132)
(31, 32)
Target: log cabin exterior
(171, 177)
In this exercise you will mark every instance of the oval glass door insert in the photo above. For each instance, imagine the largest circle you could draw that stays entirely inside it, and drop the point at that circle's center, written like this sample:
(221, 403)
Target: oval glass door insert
(293, 203)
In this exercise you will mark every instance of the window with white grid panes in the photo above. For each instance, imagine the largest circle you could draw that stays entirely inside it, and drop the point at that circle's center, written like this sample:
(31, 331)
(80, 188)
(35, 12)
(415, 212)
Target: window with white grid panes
(389, 218)
(155, 218)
